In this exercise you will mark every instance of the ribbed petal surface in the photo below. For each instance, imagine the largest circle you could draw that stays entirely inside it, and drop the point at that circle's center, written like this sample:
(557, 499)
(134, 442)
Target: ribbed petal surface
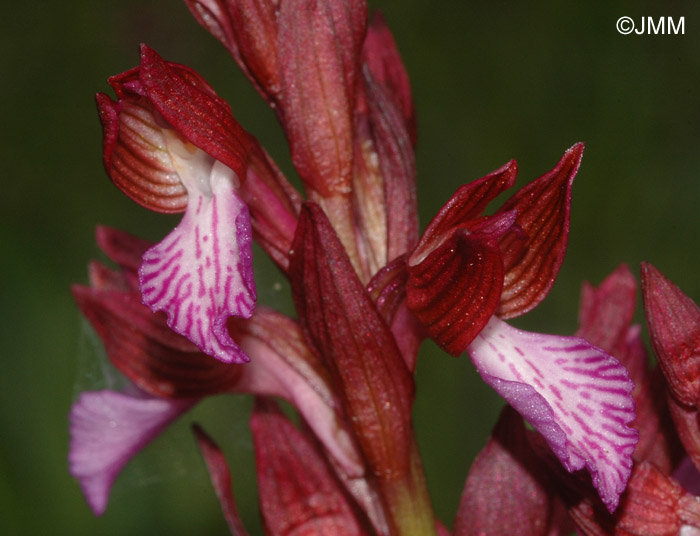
(136, 157)
(573, 393)
(107, 429)
(455, 290)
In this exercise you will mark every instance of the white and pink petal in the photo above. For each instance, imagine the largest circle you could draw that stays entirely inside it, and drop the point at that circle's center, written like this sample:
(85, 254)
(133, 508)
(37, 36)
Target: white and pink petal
(201, 273)
(574, 394)
(107, 429)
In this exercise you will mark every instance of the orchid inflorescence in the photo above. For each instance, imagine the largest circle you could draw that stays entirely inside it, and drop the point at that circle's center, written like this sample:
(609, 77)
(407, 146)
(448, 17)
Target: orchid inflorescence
(179, 318)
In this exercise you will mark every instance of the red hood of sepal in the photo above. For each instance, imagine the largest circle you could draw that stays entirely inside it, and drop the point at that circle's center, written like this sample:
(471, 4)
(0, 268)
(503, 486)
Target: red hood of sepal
(299, 494)
(190, 105)
(455, 290)
(674, 328)
(343, 326)
(532, 262)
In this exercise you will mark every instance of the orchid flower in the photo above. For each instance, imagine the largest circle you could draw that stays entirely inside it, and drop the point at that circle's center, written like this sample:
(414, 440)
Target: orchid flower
(171, 144)
(179, 320)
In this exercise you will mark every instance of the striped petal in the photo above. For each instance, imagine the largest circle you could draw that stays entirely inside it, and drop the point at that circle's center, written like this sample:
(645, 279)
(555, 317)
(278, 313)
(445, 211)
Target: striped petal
(574, 394)
(107, 429)
(201, 273)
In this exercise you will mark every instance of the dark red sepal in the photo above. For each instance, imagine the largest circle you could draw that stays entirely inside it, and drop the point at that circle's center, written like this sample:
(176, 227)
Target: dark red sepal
(456, 289)
(532, 261)
(344, 327)
(299, 494)
(221, 480)
(467, 204)
(504, 492)
(674, 328)
(121, 247)
(141, 345)
(606, 312)
(189, 104)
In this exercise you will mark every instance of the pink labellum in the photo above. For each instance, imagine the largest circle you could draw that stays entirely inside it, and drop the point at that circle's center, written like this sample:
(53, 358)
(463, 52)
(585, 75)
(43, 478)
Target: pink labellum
(674, 327)
(220, 479)
(299, 494)
(574, 394)
(107, 429)
(532, 261)
(202, 273)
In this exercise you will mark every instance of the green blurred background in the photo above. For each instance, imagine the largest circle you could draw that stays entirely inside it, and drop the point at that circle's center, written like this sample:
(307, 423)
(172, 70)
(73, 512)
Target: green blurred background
(491, 82)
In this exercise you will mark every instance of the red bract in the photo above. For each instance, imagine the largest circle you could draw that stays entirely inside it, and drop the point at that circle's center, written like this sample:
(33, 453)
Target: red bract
(299, 494)
(345, 328)
(674, 326)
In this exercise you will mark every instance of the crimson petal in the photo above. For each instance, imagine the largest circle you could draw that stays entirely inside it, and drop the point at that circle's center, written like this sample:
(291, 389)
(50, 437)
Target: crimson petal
(189, 104)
